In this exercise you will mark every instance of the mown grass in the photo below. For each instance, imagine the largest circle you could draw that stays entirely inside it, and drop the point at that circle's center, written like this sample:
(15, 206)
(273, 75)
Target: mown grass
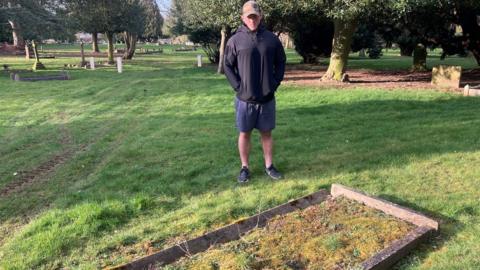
(155, 160)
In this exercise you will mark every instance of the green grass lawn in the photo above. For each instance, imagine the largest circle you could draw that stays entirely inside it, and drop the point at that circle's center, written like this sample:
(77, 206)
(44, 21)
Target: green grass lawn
(152, 159)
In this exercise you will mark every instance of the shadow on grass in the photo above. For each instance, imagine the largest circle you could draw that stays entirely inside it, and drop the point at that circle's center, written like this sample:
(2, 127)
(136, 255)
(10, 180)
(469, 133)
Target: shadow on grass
(169, 158)
(448, 228)
(327, 139)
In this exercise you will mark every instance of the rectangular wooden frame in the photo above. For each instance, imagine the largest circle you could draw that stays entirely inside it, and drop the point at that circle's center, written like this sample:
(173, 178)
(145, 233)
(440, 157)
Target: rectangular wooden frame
(380, 261)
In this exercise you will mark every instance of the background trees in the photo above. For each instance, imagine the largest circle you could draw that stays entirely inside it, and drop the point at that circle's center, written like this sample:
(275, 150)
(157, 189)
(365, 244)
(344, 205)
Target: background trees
(333, 28)
(209, 14)
(319, 28)
(132, 18)
(31, 19)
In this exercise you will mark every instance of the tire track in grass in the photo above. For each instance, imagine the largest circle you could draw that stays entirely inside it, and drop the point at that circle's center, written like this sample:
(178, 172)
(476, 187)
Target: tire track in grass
(47, 168)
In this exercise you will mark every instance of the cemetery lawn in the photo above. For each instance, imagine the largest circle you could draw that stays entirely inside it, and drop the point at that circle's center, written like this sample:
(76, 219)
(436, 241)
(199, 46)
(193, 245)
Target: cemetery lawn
(105, 168)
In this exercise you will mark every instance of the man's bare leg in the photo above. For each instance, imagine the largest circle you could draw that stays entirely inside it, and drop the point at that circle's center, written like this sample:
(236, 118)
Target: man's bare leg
(244, 147)
(267, 144)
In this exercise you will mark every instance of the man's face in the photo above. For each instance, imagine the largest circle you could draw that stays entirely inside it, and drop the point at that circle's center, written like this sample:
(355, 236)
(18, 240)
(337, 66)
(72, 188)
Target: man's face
(252, 21)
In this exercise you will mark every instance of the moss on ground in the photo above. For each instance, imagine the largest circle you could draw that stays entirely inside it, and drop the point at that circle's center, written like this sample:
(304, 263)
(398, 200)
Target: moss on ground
(336, 234)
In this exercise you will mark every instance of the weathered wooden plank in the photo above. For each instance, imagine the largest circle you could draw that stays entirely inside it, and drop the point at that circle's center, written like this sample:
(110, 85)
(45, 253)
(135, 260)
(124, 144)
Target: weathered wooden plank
(384, 206)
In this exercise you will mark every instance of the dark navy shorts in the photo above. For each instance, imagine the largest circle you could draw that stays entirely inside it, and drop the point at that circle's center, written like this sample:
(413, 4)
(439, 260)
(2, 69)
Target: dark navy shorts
(252, 115)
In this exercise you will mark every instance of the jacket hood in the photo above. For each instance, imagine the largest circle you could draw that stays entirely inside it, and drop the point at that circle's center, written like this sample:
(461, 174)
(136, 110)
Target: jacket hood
(243, 28)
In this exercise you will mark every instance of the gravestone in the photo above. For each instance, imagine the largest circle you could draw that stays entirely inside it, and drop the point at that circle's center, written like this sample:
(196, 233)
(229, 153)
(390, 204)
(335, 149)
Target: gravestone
(447, 76)
(419, 58)
(471, 91)
(33, 77)
(199, 60)
(37, 65)
(92, 63)
(119, 65)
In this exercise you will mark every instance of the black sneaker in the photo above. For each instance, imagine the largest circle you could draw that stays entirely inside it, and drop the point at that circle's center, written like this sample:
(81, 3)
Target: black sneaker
(273, 173)
(244, 175)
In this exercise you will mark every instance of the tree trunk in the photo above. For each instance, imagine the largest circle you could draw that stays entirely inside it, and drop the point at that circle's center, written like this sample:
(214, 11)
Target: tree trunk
(18, 40)
(222, 50)
(419, 58)
(131, 42)
(342, 41)
(95, 42)
(469, 20)
(110, 48)
(126, 37)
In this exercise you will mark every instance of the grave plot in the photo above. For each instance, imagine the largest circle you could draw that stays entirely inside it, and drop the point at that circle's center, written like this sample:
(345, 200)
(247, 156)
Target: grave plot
(41, 76)
(143, 51)
(346, 229)
(336, 234)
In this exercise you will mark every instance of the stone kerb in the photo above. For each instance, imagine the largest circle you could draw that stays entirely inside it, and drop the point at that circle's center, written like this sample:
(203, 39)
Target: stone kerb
(472, 91)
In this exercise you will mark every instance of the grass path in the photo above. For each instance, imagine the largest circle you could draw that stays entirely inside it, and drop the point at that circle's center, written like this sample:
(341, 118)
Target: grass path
(154, 160)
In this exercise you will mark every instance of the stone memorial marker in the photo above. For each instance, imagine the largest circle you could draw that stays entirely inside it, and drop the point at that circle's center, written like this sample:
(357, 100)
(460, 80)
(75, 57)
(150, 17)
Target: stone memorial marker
(119, 65)
(37, 65)
(471, 91)
(92, 63)
(199, 60)
(447, 76)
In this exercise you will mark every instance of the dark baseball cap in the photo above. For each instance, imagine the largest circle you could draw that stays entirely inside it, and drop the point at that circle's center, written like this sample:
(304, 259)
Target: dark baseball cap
(251, 7)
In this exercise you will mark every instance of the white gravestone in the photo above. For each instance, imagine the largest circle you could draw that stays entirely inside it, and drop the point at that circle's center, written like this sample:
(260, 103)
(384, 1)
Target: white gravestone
(199, 60)
(119, 65)
(92, 63)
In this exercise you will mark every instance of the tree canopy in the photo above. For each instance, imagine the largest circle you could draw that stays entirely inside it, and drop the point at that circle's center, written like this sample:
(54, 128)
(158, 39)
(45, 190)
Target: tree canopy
(32, 19)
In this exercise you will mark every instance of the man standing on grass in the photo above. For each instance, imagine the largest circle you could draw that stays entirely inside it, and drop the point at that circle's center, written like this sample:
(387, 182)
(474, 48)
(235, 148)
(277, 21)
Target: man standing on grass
(254, 66)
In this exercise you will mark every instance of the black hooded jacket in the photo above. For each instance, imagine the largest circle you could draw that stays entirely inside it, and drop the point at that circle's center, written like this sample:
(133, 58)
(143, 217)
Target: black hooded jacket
(254, 64)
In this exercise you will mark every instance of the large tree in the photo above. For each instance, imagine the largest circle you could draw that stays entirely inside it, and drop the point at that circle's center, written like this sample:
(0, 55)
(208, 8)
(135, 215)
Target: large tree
(192, 16)
(30, 19)
(153, 22)
(86, 17)
(346, 15)
(107, 16)
(144, 21)
(212, 15)
(134, 26)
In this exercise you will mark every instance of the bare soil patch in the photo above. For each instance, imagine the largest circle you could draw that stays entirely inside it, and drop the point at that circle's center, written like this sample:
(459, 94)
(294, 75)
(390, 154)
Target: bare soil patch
(399, 79)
